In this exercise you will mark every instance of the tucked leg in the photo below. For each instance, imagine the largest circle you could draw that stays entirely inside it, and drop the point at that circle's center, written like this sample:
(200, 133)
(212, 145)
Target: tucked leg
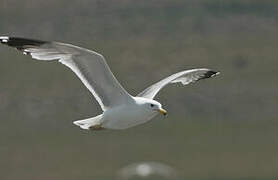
(97, 127)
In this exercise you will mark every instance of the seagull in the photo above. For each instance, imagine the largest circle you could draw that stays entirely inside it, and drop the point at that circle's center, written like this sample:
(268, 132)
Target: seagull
(120, 109)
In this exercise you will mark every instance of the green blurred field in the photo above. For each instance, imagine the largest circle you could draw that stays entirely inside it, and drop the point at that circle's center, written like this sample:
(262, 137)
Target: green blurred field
(221, 128)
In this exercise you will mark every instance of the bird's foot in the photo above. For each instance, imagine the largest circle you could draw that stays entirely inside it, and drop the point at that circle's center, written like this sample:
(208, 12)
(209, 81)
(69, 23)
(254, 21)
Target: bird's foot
(97, 127)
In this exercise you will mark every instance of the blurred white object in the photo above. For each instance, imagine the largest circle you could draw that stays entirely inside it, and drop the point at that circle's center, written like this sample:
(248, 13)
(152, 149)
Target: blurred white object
(147, 170)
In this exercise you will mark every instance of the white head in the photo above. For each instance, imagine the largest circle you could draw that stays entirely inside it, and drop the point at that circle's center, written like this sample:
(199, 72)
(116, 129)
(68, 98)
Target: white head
(150, 106)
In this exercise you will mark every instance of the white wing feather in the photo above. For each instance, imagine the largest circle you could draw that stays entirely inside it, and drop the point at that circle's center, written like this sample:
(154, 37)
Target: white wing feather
(184, 77)
(88, 65)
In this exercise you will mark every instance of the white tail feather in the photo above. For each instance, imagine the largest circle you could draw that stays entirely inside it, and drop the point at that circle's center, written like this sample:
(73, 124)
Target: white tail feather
(87, 123)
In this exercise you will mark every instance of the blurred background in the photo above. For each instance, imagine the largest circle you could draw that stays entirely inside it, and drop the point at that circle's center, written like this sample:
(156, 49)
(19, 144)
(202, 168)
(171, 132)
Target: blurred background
(220, 128)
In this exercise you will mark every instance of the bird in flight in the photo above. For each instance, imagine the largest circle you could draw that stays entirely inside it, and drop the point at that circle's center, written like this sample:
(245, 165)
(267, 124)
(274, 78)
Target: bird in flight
(120, 109)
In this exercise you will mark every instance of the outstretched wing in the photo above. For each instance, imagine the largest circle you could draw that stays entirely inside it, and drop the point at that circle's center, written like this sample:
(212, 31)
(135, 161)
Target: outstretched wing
(88, 65)
(184, 77)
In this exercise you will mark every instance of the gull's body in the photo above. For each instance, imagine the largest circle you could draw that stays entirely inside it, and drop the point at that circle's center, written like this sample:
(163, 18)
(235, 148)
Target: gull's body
(135, 114)
(120, 109)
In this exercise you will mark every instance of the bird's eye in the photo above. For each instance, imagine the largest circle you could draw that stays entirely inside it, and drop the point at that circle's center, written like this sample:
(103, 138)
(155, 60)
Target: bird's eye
(152, 105)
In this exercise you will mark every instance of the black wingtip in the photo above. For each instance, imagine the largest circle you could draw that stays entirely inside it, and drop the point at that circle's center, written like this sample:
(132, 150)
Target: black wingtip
(20, 43)
(209, 74)
(4, 39)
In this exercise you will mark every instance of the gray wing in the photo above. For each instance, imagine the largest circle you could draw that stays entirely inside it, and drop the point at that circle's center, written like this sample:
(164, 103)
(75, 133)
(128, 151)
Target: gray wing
(184, 77)
(88, 65)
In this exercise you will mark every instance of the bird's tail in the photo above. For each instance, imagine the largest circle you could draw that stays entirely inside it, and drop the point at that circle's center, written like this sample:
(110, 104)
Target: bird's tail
(88, 123)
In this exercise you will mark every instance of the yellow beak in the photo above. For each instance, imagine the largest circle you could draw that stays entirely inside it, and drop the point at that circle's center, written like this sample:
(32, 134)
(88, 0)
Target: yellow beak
(162, 111)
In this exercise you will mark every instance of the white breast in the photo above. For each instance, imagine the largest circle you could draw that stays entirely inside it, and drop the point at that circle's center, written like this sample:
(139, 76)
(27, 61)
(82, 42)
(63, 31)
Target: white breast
(126, 116)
